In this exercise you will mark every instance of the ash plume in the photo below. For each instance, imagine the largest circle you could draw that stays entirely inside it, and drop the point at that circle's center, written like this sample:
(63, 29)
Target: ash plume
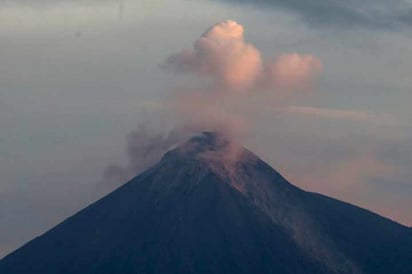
(145, 146)
(237, 71)
(223, 55)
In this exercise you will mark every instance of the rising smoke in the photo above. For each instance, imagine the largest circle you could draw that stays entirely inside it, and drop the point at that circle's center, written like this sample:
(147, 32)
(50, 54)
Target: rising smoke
(145, 146)
(222, 55)
(237, 70)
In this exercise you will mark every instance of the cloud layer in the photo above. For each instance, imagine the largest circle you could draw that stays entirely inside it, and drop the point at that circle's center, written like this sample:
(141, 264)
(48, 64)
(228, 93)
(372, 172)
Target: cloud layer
(374, 14)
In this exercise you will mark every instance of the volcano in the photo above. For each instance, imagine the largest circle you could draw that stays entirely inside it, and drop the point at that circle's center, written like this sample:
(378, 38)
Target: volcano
(212, 206)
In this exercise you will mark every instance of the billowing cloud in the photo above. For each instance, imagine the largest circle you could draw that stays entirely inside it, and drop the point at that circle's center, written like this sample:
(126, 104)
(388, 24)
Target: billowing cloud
(292, 71)
(222, 54)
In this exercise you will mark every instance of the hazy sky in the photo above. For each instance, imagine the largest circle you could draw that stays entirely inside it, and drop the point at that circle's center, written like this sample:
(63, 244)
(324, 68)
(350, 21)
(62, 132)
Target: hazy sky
(77, 76)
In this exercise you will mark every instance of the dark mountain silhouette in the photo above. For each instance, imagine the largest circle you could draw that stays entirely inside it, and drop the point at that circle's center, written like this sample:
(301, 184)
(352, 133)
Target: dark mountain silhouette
(211, 206)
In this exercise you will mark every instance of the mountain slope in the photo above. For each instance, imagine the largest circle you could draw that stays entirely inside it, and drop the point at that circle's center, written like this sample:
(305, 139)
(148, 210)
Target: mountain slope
(211, 206)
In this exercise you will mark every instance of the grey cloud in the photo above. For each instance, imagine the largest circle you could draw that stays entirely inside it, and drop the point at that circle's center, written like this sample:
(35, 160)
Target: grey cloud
(347, 13)
(406, 17)
(374, 14)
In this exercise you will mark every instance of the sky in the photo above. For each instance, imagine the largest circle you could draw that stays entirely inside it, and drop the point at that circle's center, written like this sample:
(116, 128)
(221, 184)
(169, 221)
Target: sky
(319, 90)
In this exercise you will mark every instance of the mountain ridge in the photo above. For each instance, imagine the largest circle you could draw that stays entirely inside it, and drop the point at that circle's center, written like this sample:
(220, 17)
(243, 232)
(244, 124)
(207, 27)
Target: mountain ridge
(209, 206)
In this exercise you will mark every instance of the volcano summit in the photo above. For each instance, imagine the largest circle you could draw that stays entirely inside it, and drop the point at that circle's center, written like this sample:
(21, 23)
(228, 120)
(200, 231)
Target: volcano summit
(212, 206)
